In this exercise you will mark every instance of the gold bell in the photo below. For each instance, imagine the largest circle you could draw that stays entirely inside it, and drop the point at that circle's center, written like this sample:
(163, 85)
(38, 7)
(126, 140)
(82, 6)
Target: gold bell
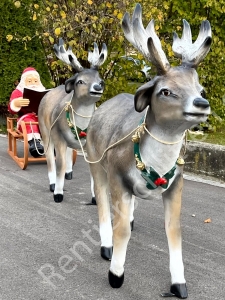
(136, 137)
(139, 164)
(180, 161)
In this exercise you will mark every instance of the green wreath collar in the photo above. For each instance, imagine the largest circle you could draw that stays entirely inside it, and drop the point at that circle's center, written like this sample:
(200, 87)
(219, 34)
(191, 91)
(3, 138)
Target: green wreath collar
(152, 178)
(82, 133)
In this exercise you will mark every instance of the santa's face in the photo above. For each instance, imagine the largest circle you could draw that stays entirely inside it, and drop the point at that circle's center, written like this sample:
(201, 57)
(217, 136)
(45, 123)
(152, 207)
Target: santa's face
(32, 81)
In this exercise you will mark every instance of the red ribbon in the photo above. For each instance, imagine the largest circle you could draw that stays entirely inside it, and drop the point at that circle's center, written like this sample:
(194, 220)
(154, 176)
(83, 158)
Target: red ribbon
(82, 134)
(160, 181)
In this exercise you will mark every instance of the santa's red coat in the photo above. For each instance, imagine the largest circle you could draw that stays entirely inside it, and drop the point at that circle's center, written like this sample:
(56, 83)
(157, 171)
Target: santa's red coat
(26, 117)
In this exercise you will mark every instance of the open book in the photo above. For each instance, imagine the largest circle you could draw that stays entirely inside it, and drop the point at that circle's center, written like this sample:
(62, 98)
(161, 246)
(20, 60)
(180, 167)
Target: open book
(35, 99)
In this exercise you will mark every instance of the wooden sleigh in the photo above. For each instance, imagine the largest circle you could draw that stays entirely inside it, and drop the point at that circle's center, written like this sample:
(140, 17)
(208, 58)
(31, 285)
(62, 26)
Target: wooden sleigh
(15, 136)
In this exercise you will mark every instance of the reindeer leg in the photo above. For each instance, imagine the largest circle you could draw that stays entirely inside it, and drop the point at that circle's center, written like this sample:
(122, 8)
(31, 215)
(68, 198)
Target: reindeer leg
(121, 234)
(60, 147)
(93, 199)
(132, 213)
(172, 206)
(50, 158)
(69, 164)
(102, 198)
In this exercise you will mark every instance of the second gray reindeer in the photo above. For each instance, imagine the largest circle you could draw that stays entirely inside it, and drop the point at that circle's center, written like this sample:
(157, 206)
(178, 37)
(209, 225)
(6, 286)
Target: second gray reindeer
(152, 161)
(66, 111)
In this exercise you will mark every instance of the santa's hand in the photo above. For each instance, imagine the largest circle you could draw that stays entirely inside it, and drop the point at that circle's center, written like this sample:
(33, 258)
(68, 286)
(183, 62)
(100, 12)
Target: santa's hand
(20, 102)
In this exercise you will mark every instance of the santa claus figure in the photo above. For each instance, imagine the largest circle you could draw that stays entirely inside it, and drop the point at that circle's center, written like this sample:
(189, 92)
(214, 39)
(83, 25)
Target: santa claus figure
(30, 79)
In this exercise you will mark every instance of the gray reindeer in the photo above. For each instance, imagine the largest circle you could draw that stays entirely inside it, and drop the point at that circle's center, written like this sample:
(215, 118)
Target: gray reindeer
(65, 112)
(152, 161)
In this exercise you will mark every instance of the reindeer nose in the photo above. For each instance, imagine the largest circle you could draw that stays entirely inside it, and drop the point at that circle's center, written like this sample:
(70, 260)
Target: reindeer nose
(201, 102)
(97, 87)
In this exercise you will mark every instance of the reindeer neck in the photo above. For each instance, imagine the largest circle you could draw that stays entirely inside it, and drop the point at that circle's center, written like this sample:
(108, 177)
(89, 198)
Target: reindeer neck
(82, 113)
(168, 132)
(160, 145)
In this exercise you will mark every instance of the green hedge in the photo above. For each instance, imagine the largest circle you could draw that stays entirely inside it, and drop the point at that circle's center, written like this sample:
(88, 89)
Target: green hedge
(15, 55)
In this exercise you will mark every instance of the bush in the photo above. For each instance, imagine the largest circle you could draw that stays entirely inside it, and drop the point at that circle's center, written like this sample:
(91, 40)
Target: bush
(20, 47)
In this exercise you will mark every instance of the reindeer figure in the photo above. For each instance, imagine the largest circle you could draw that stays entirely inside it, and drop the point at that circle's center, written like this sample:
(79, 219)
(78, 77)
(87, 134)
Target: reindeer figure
(66, 111)
(164, 108)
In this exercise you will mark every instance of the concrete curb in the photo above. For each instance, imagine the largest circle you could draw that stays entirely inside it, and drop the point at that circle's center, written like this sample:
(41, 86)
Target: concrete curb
(202, 159)
(205, 159)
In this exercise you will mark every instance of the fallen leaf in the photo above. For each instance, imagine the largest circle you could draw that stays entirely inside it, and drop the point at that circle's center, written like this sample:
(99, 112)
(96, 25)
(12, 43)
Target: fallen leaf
(208, 220)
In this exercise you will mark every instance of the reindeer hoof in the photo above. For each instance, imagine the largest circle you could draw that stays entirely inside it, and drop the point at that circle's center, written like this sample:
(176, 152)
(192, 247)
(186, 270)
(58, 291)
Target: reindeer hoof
(132, 225)
(69, 175)
(106, 252)
(179, 290)
(115, 281)
(93, 201)
(58, 198)
(52, 187)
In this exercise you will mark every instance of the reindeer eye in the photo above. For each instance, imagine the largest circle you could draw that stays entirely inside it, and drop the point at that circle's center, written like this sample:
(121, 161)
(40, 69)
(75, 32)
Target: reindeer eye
(203, 94)
(165, 92)
(80, 82)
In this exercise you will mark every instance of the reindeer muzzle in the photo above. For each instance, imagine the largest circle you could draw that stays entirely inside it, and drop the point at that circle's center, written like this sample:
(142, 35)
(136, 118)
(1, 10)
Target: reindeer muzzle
(201, 103)
(96, 90)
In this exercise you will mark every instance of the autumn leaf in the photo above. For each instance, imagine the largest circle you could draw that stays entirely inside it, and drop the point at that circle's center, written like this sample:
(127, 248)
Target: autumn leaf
(9, 37)
(119, 16)
(51, 39)
(63, 14)
(208, 220)
(90, 2)
(57, 31)
(34, 17)
(17, 4)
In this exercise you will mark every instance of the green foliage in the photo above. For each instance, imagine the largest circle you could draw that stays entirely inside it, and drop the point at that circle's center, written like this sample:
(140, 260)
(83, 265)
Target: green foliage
(80, 23)
(20, 47)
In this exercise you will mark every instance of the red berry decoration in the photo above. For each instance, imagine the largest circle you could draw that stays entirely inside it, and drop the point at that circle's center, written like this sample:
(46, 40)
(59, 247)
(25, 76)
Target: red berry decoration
(82, 134)
(160, 181)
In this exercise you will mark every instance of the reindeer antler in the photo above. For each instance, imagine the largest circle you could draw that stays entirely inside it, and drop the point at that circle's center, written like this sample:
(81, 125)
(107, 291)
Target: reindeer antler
(67, 56)
(145, 40)
(96, 59)
(192, 54)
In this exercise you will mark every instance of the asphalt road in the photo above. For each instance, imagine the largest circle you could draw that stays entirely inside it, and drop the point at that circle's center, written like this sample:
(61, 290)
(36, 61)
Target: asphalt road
(41, 239)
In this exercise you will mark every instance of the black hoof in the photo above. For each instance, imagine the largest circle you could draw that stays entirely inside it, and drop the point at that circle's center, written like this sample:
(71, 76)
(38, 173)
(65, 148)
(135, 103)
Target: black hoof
(93, 201)
(52, 187)
(69, 175)
(115, 281)
(179, 290)
(132, 225)
(106, 252)
(58, 198)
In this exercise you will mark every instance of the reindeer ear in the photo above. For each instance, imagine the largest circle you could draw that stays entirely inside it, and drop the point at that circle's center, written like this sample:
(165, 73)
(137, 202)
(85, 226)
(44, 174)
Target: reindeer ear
(142, 98)
(69, 84)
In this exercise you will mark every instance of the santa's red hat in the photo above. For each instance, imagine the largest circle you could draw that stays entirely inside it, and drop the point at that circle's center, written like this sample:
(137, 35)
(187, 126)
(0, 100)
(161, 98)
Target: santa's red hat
(29, 71)
(25, 73)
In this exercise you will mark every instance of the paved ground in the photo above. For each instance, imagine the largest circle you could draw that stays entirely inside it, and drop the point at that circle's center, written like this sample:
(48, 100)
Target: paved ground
(38, 236)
